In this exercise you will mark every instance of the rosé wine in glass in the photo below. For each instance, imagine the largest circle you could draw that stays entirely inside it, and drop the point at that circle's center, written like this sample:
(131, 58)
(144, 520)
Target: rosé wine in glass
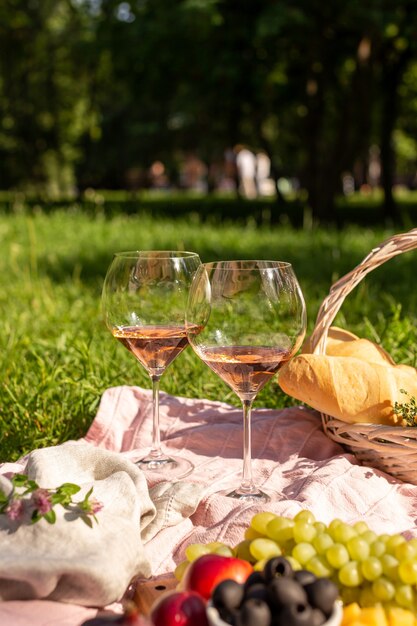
(144, 300)
(245, 319)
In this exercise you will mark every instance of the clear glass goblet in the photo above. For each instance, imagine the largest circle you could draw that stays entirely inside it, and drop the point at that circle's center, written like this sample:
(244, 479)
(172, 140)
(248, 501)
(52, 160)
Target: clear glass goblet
(245, 319)
(144, 301)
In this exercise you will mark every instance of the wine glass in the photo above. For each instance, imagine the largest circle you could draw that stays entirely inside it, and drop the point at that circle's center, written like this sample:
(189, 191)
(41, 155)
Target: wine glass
(245, 319)
(144, 300)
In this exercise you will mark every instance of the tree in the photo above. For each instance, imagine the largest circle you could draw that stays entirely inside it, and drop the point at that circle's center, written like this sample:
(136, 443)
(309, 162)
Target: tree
(42, 94)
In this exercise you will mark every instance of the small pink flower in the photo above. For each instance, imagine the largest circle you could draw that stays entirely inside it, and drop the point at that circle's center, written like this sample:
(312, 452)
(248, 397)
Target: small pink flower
(94, 506)
(41, 501)
(15, 510)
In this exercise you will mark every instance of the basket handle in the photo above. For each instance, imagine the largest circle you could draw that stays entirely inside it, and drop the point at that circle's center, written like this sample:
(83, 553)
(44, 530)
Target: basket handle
(402, 242)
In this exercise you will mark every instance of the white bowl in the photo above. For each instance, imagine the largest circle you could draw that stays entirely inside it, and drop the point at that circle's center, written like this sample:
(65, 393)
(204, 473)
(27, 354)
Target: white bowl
(335, 618)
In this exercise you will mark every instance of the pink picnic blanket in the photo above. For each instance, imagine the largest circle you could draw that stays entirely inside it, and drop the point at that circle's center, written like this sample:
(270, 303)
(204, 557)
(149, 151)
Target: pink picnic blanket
(291, 456)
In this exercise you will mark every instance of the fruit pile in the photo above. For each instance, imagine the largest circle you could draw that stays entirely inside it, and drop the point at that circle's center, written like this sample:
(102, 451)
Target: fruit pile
(277, 596)
(369, 569)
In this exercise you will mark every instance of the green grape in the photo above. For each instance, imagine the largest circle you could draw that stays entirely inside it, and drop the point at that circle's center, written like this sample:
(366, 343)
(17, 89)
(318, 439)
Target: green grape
(280, 529)
(180, 570)
(384, 537)
(260, 521)
(393, 542)
(242, 551)
(377, 548)
(350, 574)
(303, 552)
(304, 531)
(213, 545)
(366, 597)
(389, 566)
(383, 589)
(337, 555)
(348, 595)
(343, 532)
(320, 527)
(371, 568)
(358, 548)
(404, 596)
(320, 566)
(287, 546)
(322, 542)
(195, 550)
(369, 536)
(407, 571)
(260, 565)
(251, 533)
(305, 516)
(405, 551)
(223, 551)
(294, 563)
(333, 525)
(361, 527)
(263, 548)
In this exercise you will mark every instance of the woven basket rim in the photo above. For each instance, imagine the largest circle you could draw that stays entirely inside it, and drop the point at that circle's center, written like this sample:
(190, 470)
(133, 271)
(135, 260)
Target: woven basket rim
(392, 444)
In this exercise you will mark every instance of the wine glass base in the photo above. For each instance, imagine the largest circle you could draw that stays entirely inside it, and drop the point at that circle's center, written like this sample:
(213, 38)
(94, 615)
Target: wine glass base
(252, 495)
(166, 466)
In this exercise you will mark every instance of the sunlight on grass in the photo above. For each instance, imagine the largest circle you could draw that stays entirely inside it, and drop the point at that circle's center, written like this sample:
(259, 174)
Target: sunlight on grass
(57, 357)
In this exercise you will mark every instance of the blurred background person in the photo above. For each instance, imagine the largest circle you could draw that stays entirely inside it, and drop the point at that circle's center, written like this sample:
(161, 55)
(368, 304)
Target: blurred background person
(246, 171)
(264, 183)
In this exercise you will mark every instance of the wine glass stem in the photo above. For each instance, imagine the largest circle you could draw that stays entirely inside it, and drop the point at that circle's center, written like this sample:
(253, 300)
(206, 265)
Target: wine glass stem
(155, 451)
(247, 484)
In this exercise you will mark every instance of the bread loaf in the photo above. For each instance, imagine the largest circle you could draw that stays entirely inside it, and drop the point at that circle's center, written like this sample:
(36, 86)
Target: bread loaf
(355, 381)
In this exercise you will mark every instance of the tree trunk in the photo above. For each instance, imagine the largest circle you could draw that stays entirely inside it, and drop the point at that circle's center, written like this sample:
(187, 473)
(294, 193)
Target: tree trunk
(392, 73)
(388, 118)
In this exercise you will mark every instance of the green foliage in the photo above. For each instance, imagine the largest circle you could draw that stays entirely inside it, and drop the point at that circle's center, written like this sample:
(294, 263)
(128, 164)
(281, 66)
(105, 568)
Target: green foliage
(407, 411)
(92, 92)
(57, 357)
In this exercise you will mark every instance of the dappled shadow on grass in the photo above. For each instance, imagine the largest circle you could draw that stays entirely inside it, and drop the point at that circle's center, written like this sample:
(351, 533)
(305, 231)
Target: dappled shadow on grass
(319, 256)
(318, 260)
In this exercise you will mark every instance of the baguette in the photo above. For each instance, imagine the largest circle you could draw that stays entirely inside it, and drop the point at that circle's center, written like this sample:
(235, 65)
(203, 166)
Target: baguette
(356, 381)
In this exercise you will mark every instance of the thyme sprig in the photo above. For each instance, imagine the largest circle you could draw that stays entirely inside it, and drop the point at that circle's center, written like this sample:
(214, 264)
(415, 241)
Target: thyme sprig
(27, 500)
(406, 410)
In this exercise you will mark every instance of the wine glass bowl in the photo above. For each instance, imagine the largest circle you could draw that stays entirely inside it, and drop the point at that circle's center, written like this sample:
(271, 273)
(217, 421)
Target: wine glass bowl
(245, 319)
(144, 300)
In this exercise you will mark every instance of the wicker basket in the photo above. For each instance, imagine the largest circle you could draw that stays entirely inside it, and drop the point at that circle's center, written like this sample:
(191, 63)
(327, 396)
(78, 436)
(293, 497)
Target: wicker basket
(391, 449)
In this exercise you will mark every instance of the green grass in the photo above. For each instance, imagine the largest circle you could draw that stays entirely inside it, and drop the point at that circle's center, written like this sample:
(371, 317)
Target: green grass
(57, 357)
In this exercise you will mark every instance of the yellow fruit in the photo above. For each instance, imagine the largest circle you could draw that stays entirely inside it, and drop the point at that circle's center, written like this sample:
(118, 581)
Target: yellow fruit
(353, 615)
(401, 617)
(350, 612)
(374, 616)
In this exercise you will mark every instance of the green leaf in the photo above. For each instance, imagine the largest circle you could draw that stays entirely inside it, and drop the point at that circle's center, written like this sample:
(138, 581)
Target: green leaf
(57, 498)
(50, 517)
(31, 486)
(87, 520)
(68, 489)
(19, 480)
(85, 504)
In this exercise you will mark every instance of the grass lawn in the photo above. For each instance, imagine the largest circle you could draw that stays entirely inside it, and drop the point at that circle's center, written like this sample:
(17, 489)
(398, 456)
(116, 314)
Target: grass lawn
(57, 357)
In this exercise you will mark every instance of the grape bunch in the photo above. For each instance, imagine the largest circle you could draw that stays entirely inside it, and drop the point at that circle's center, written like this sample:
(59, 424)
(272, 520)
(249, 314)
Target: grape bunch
(369, 569)
(276, 596)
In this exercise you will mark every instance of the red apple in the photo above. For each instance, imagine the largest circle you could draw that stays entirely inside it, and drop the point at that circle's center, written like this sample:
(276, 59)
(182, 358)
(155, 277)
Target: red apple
(206, 572)
(179, 608)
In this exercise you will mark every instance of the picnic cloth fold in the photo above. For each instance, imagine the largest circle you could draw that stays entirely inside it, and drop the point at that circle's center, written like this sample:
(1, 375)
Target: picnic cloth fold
(291, 456)
(69, 560)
